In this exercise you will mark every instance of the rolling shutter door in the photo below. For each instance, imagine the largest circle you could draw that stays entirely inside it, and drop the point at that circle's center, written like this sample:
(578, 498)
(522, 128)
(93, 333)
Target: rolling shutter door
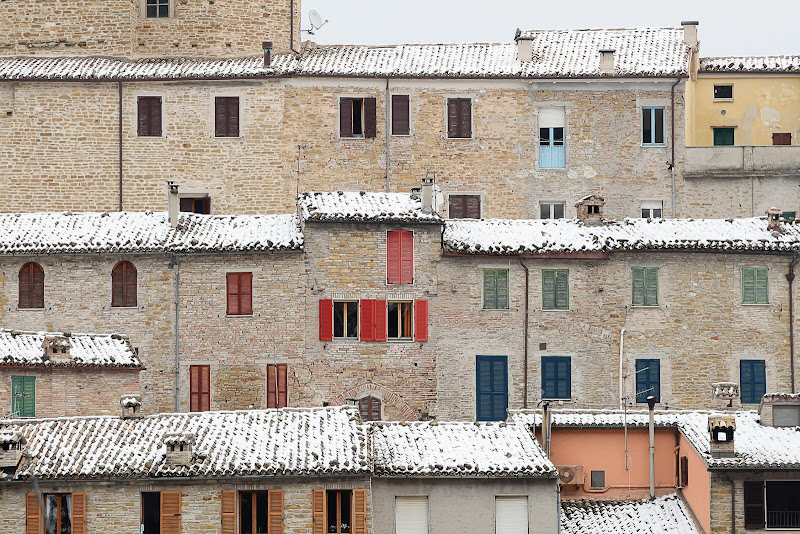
(511, 515)
(411, 515)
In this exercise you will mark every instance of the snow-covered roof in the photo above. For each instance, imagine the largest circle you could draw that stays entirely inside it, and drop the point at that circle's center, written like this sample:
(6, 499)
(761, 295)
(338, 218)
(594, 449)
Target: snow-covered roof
(542, 236)
(344, 206)
(63, 233)
(290, 441)
(458, 449)
(87, 350)
(664, 515)
(790, 64)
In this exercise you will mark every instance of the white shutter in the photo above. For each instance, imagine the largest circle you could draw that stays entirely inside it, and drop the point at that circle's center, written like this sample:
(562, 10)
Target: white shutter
(411, 515)
(511, 515)
(552, 118)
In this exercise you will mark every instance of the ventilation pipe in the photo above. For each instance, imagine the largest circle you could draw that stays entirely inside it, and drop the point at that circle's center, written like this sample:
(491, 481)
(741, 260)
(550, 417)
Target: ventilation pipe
(172, 203)
(607, 60)
(427, 195)
(524, 47)
(651, 404)
(267, 47)
(690, 32)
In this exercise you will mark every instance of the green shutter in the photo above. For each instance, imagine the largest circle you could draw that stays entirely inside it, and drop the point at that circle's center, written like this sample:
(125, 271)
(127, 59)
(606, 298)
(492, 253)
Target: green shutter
(23, 396)
(762, 292)
(638, 286)
(651, 286)
(562, 289)
(748, 285)
(502, 288)
(548, 289)
(489, 289)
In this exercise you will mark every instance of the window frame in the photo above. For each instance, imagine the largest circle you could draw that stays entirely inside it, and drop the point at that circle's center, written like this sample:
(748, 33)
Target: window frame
(496, 270)
(555, 360)
(370, 397)
(161, 133)
(507, 498)
(756, 272)
(653, 142)
(556, 273)
(645, 302)
(125, 297)
(715, 129)
(753, 398)
(490, 359)
(652, 205)
(203, 198)
(238, 274)
(239, 105)
(721, 98)
(458, 128)
(551, 208)
(400, 302)
(21, 381)
(406, 498)
(59, 527)
(33, 268)
(646, 381)
(766, 483)
(339, 509)
(346, 303)
(143, 11)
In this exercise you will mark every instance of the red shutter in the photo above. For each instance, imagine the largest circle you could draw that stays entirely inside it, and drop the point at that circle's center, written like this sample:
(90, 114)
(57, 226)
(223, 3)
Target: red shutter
(275, 513)
(228, 512)
(406, 257)
(393, 257)
(283, 397)
(379, 320)
(200, 388)
(78, 513)
(345, 117)
(367, 320)
(401, 118)
(326, 319)
(464, 117)
(240, 293)
(370, 118)
(277, 385)
(233, 294)
(452, 117)
(33, 521)
(420, 320)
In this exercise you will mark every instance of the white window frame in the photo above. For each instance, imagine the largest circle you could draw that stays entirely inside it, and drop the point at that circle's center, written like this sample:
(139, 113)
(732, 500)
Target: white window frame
(651, 205)
(716, 99)
(143, 11)
(551, 203)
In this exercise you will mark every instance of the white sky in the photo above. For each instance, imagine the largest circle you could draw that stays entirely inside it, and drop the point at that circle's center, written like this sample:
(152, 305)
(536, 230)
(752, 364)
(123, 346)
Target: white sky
(727, 27)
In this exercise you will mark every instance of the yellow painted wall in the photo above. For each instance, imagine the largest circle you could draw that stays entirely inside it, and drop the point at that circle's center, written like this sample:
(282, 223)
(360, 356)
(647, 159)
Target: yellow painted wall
(761, 105)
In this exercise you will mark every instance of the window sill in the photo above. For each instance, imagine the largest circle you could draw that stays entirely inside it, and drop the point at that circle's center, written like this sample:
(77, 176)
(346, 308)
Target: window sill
(344, 340)
(124, 307)
(496, 309)
(31, 309)
(556, 399)
(723, 100)
(154, 137)
(353, 138)
(399, 340)
(459, 138)
(756, 304)
(241, 315)
(228, 137)
(645, 306)
(556, 310)
(402, 135)
(563, 169)
(659, 145)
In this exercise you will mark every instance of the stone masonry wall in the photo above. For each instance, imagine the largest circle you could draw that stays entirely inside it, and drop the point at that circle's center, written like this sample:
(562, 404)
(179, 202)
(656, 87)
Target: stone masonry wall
(721, 498)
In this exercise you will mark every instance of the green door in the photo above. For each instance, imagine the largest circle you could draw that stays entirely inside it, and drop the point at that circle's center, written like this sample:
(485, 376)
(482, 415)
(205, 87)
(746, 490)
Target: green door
(23, 396)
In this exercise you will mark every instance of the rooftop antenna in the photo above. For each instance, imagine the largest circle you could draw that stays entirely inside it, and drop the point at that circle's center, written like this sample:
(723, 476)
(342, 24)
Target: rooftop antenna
(316, 21)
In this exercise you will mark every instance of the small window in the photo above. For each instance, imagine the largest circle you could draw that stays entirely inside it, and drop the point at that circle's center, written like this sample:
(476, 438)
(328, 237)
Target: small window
(240, 293)
(785, 415)
(781, 139)
(684, 471)
(123, 285)
(551, 210)
(755, 285)
(399, 319)
(31, 286)
(723, 136)
(555, 289)
(157, 9)
(339, 520)
(495, 289)
(652, 209)
(226, 113)
(653, 126)
(370, 408)
(161, 512)
(357, 117)
(277, 385)
(645, 286)
(511, 514)
(345, 319)
(149, 116)
(464, 206)
(399, 257)
(459, 118)
(556, 377)
(200, 388)
(58, 514)
(648, 380)
(411, 515)
(789, 216)
(23, 396)
(491, 388)
(401, 118)
(253, 512)
(200, 205)
(752, 381)
(552, 124)
(598, 479)
(723, 92)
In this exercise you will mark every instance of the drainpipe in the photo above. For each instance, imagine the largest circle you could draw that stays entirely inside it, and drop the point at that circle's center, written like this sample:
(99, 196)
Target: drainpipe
(388, 127)
(733, 506)
(525, 340)
(672, 144)
(119, 85)
(651, 403)
(175, 268)
(291, 27)
(621, 348)
(790, 279)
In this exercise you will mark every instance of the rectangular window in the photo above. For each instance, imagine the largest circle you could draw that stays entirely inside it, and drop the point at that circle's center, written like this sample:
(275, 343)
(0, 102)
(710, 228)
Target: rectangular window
(652, 209)
(652, 126)
(511, 514)
(369, 408)
(64, 513)
(752, 380)
(401, 115)
(789, 215)
(785, 415)
(399, 320)
(555, 289)
(399, 257)
(552, 124)
(200, 387)
(149, 116)
(345, 319)
(551, 210)
(357, 117)
(723, 136)
(723, 92)
(23, 396)
(645, 286)
(781, 139)
(556, 377)
(226, 116)
(598, 479)
(492, 388)
(755, 285)
(253, 512)
(411, 515)
(339, 507)
(161, 512)
(464, 206)
(648, 380)
(200, 205)
(783, 504)
(157, 9)
(151, 512)
(240, 293)
(339, 511)
(459, 118)
(277, 385)
(495, 289)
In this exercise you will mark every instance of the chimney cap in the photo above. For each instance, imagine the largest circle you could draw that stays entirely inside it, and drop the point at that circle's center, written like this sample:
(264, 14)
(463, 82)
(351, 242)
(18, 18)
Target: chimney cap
(607, 50)
(266, 44)
(690, 23)
(651, 402)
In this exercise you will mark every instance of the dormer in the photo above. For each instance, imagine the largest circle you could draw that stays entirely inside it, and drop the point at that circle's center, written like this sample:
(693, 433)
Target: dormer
(131, 405)
(590, 209)
(722, 428)
(56, 348)
(179, 449)
(12, 446)
(780, 410)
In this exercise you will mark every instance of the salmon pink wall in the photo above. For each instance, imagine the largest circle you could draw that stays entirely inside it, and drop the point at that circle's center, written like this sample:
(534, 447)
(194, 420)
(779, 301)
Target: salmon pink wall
(698, 491)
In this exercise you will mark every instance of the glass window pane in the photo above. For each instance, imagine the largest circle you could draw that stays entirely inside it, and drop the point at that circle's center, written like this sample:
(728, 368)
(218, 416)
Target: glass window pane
(332, 511)
(245, 512)
(66, 514)
(558, 211)
(345, 512)
(406, 319)
(545, 210)
(262, 512)
(338, 319)
(558, 136)
(352, 319)
(647, 134)
(394, 319)
(659, 125)
(51, 511)
(544, 136)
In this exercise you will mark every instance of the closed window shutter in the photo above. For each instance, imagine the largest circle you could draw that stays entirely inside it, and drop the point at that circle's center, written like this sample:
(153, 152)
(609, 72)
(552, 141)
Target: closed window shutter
(220, 117)
(233, 294)
(31, 286)
(187, 205)
(782, 139)
(564, 378)
(369, 408)
(638, 286)
(380, 320)
(458, 206)
(360, 511)
(200, 385)
(370, 118)
(275, 512)
(345, 117)
(155, 117)
(420, 320)
(393, 257)
(473, 207)
(130, 284)
(78, 513)
(367, 320)
(465, 118)
(452, 117)
(233, 117)
(143, 122)
(33, 519)
(651, 286)
(401, 123)
(170, 512)
(684, 471)
(753, 505)
(228, 512)
(501, 288)
(762, 288)
(748, 285)
(406, 257)
(326, 319)
(511, 515)
(246, 293)
(277, 386)
(562, 289)
(548, 289)
(411, 515)
(318, 511)
(123, 285)
(490, 289)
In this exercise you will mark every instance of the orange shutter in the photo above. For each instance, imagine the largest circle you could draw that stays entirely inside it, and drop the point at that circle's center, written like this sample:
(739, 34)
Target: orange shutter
(393, 257)
(275, 511)
(228, 512)
(33, 520)
(406, 257)
(360, 511)
(170, 512)
(78, 513)
(318, 510)
(420, 320)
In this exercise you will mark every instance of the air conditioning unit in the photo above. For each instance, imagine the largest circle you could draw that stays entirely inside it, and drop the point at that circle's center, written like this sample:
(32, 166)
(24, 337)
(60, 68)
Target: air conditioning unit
(570, 474)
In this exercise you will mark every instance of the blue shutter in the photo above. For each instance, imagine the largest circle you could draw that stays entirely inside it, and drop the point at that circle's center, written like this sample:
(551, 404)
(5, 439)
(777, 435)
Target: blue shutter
(753, 380)
(492, 388)
(648, 380)
(556, 377)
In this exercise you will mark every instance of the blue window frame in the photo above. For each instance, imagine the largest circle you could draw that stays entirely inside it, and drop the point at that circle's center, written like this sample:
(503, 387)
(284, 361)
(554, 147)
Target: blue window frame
(648, 380)
(752, 380)
(551, 148)
(652, 126)
(556, 377)
(492, 388)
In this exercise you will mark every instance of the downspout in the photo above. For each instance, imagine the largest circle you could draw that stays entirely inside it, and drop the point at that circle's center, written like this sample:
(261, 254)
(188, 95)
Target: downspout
(621, 392)
(790, 279)
(119, 84)
(388, 127)
(525, 340)
(733, 506)
(175, 268)
(672, 144)
(291, 27)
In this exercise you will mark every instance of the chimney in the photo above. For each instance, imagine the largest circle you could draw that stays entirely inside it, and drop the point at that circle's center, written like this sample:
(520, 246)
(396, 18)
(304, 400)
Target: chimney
(690, 32)
(590, 209)
(12, 445)
(722, 428)
(524, 47)
(723, 394)
(267, 47)
(780, 410)
(131, 406)
(607, 60)
(179, 449)
(56, 348)
(173, 203)
(427, 195)
(774, 219)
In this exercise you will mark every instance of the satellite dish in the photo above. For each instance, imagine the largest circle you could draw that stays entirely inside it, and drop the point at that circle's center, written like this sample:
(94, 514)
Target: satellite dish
(316, 19)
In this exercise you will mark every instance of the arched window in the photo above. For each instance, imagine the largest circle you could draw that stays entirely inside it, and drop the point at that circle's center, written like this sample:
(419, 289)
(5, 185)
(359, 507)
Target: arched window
(370, 408)
(31, 286)
(123, 285)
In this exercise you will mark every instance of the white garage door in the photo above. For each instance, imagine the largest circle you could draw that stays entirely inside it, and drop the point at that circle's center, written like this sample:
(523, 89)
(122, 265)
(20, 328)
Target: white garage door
(511, 515)
(411, 515)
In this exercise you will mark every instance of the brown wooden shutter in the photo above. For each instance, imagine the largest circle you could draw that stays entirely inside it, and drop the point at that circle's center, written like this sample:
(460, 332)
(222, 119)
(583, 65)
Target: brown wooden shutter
(326, 319)
(220, 117)
(200, 387)
(226, 116)
(464, 118)
(406, 257)
(275, 512)
(130, 284)
(452, 117)
(78, 513)
(228, 512)
(420, 320)
(754, 505)
(33, 517)
(246, 293)
(367, 320)
(380, 320)
(370, 118)
(283, 386)
(31, 286)
(233, 117)
(155, 116)
(369, 408)
(277, 385)
(472, 207)
(170, 512)
(684, 471)
(401, 116)
(117, 286)
(360, 511)
(318, 511)
(233, 293)
(206, 209)
(782, 139)
(393, 260)
(345, 117)
(149, 116)
(143, 118)
(187, 205)
(457, 206)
